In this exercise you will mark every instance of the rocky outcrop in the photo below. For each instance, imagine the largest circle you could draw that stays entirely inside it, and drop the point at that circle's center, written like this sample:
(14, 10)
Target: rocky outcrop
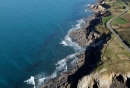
(84, 37)
(98, 8)
(101, 81)
(97, 80)
(101, 7)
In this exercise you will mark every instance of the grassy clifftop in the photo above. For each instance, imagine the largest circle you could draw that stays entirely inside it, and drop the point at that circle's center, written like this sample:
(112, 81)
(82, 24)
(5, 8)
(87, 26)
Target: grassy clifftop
(114, 57)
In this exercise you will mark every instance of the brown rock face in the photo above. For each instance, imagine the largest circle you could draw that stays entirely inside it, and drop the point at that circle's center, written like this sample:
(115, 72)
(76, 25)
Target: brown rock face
(86, 36)
(112, 80)
(83, 37)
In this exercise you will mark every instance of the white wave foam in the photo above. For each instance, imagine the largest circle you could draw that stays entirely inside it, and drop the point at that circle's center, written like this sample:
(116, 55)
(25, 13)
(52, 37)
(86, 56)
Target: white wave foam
(65, 69)
(81, 23)
(61, 65)
(74, 61)
(30, 81)
(86, 10)
(41, 80)
(46, 78)
(68, 41)
(64, 43)
(88, 5)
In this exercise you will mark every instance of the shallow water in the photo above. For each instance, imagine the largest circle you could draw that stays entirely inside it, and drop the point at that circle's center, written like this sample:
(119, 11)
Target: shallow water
(31, 38)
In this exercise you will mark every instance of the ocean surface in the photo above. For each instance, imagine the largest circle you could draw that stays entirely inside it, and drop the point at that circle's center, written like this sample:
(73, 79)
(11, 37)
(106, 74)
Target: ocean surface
(34, 41)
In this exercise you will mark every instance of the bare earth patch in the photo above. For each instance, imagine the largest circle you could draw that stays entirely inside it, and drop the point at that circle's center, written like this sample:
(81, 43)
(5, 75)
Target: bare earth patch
(126, 17)
(123, 57)
(125, 25)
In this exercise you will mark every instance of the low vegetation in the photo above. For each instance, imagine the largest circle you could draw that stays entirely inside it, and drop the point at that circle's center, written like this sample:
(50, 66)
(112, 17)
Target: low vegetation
(125, 35)
(123, 31)
(105, 19)
(119, 21)
(114, 57)
(122, 26)
(126, 16)
(101, 29)
(116, 7)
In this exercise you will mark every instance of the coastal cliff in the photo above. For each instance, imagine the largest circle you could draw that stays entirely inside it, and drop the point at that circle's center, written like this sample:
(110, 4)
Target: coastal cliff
(113, 71)
(93, 68)
(86, 36)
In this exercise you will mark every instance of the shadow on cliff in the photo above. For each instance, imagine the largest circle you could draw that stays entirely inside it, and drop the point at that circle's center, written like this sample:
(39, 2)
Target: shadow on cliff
(128, 82)
(92, 57)
(105, 6)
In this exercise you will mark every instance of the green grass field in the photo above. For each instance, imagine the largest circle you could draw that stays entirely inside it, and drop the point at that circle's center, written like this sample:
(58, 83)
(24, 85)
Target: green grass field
(125, 36)
(113, 3)
(114, 57)
(110, 58)
(120, 3)
(105, 19)
(119, 21)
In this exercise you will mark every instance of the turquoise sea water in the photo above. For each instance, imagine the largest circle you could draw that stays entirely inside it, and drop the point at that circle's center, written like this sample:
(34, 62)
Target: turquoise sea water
(31, 32)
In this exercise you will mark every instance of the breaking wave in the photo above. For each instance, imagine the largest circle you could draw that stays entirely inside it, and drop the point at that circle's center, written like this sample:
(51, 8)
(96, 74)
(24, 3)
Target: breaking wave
(68, 41)
(30, 81)
(88, 8)
(61, 65)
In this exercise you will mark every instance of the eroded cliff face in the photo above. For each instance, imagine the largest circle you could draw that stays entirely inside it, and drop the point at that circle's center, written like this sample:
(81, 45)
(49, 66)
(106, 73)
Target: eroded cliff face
(86, 36)
(97, 80)
(83, 37)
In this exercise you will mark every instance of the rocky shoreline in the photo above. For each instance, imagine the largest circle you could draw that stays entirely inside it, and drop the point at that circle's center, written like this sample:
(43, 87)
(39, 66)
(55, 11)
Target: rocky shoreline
(83, 74)
(88, 59)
